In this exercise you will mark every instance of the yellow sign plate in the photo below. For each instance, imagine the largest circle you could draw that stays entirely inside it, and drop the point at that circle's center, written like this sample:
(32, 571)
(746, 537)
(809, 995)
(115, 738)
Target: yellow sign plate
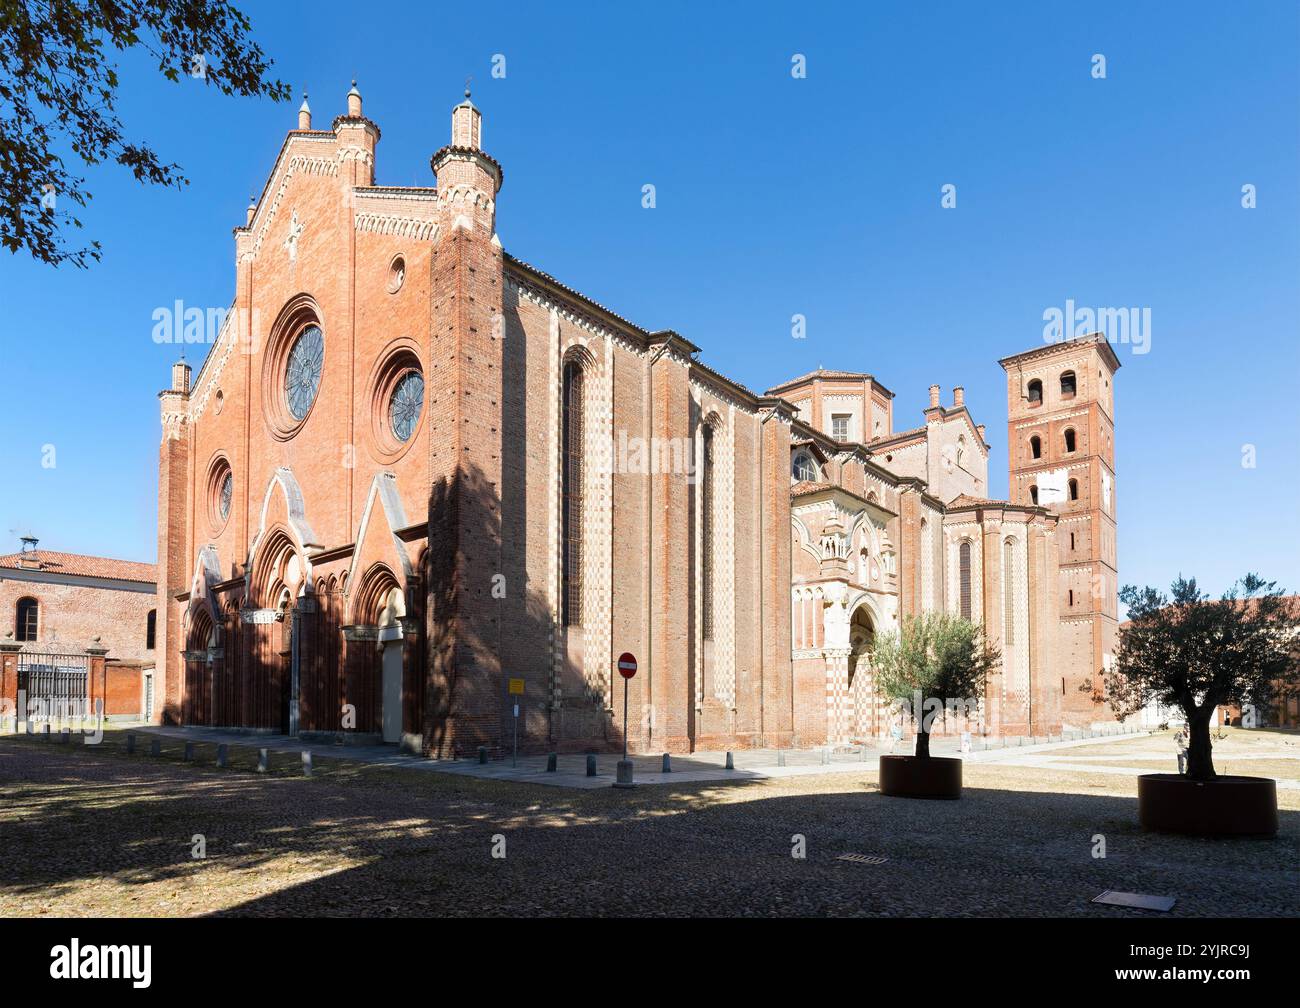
(516, 686)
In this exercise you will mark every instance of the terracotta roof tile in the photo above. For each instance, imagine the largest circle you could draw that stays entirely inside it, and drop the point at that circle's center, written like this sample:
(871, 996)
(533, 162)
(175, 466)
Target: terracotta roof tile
(52, 562)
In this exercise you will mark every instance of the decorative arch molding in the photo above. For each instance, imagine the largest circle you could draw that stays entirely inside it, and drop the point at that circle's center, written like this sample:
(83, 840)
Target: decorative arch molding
(867, 600)
(371, 593)
(296, 524)
(269, 574)
(383, 491)
(201, 634)
(203, 603)
(804, 539)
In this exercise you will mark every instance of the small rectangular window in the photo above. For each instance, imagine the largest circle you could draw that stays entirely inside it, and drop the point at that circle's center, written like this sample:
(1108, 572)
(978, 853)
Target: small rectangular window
(840, 426)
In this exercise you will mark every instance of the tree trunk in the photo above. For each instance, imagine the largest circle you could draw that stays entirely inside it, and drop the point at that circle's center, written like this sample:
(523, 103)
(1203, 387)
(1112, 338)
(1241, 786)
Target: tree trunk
(1200, 764)
(923, 744)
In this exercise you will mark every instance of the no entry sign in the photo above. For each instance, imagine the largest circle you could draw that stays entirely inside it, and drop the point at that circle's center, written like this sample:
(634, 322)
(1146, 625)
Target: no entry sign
(626, 665)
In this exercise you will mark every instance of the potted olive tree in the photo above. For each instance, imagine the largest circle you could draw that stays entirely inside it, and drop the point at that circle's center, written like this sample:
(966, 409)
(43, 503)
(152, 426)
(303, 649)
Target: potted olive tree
(1196, 653)
(935, 663)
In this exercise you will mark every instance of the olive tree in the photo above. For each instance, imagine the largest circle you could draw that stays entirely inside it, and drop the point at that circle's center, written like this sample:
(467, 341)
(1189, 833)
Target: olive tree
(1196, 653)
(940, 658)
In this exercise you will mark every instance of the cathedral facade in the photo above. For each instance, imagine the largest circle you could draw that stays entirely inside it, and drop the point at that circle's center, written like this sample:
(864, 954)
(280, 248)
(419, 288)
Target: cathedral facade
(418, 483)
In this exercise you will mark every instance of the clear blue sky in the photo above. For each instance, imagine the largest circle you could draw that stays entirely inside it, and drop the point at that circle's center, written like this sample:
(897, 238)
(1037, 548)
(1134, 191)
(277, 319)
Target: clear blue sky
(775, 196)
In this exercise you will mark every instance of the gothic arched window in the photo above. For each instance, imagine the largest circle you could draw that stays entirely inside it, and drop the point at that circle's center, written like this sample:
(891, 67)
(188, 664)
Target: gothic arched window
(1036, 446)
(1008, 593)
(706, 532)
(804, 468)
(963, 573)
(27, 619)
(571, 489)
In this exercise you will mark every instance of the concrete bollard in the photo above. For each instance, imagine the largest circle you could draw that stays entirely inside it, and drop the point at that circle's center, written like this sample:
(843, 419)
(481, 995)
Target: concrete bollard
(155, 747)
(223, 755)
(826, 756)
(623, 774)
(591, 764)
(667, 764)
(306, 763)
(189, 752)
(30, 729)
(130, 743)
(551, 761)
(64, 737)
(731, 762)
(263, 760)
(45, 733)
(482, 754)
(780, 757)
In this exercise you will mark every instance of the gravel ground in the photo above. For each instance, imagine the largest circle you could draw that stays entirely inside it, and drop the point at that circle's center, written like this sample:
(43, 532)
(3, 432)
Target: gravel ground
(91, 831)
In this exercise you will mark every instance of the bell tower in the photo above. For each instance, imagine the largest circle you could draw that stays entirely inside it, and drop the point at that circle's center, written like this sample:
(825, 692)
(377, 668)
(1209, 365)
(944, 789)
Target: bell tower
(1061, 454)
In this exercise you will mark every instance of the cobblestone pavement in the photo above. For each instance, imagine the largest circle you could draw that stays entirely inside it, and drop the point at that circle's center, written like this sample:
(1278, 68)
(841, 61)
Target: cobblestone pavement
(89, 830)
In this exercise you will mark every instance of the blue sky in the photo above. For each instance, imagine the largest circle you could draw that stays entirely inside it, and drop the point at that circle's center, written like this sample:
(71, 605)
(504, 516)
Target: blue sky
(775, 196)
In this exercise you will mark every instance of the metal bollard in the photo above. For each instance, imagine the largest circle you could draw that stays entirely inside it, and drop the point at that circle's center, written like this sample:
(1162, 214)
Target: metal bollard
(591, 764)
(551, 760)
(482, 754)
(263, 760)
(155, 747)
(623, 774)
(826, 756)
(731, 763)
(189, 752)
(780, 757)
(306, 763)
(223, 755)
(45, 733)
(130, 743)
(667, 764)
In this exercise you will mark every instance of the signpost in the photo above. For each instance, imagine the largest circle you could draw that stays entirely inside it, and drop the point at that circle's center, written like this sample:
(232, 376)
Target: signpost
(627, 669)
(516, 689)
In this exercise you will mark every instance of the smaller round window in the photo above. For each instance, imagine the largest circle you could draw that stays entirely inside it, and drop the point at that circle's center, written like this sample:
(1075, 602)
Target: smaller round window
(396, 274)
(405, 405)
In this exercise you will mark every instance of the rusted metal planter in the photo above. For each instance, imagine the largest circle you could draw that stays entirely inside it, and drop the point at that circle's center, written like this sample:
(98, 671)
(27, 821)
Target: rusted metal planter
(920, 777)
(1221, 806)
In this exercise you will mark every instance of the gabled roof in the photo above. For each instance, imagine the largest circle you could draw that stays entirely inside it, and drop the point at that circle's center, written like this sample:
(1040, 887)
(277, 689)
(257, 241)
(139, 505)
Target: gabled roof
(79, 565)
(889, 439)
(824, 373)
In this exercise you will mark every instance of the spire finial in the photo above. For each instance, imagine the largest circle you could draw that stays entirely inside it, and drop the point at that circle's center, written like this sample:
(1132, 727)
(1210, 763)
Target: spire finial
(467, 82)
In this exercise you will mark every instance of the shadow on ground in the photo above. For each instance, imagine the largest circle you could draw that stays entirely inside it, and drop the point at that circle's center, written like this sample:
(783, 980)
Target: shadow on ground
(360, 841)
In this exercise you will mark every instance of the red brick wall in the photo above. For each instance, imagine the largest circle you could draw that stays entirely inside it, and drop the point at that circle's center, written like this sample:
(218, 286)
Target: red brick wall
(76, 614)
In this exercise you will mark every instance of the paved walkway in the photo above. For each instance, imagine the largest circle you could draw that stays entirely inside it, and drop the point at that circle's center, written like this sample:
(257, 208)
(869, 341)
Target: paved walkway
(750, 764)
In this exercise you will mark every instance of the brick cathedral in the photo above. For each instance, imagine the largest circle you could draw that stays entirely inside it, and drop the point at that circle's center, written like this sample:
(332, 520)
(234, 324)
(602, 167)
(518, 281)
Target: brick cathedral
(414, 467)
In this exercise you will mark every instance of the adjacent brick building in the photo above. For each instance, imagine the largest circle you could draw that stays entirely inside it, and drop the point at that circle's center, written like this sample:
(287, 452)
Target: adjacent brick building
(413, 467)
(79, 626)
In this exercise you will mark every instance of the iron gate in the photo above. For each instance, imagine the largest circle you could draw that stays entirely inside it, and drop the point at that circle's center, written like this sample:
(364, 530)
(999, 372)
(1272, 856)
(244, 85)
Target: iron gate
(55, 684)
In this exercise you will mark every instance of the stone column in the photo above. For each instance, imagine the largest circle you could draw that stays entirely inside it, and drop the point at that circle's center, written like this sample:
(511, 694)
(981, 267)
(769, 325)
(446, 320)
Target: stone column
(9, 650)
